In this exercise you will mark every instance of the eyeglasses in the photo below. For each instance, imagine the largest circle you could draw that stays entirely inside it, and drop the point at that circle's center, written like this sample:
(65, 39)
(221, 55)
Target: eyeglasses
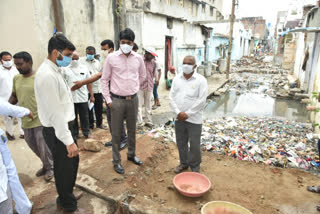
(64, 55)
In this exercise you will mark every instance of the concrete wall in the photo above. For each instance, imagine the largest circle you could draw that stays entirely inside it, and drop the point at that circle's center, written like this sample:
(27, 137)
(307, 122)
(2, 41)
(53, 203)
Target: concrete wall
(214, 43)
(289, 55)
(29, 27)
(257, 25)
(22, 31)
(241, 37)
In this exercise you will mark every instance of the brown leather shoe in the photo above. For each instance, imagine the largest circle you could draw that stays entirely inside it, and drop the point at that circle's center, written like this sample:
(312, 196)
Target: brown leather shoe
(41, 172)
(48, 176)
(78, 195)
(180, 169)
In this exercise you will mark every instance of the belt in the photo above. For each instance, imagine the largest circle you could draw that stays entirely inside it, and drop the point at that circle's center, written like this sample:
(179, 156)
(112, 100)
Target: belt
(124, 97)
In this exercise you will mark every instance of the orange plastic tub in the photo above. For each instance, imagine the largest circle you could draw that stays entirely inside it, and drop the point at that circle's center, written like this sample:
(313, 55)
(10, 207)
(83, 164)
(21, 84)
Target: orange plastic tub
(191, 184)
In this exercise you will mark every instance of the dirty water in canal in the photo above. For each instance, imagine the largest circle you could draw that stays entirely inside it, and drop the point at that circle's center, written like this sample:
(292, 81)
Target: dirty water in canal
(249, 97)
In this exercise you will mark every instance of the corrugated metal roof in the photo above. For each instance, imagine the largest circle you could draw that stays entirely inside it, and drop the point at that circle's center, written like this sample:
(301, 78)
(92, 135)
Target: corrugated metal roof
(305, 29)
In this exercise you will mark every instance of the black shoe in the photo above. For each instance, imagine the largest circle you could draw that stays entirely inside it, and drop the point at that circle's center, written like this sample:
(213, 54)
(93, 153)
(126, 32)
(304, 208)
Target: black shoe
(10, 137)
(107, 144)
(118, 168)
(123, 144)
(135, 160)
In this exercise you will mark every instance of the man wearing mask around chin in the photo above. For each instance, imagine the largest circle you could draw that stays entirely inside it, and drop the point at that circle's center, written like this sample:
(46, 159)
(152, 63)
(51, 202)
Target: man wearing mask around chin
(123, 71)
(77, 72)
(188, 96)
(56, 113)
(7, 72)
(94, 68)
(23, 92)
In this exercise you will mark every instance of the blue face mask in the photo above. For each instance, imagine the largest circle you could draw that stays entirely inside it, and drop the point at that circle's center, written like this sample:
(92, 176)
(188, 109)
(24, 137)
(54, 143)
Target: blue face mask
(90, 57)
(99, 58)
(64, 62)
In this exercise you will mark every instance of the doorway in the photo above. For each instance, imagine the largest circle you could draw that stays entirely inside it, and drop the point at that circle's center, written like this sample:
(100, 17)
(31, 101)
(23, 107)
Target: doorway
(168, 55)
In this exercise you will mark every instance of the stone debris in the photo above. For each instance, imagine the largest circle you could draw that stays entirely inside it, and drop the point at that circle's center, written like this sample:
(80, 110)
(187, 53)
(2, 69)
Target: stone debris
(92, 145)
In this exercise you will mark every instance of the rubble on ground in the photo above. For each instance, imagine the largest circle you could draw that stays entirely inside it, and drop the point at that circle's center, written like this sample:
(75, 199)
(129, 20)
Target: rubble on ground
(92, 145)
(262, 140)
(274, 85)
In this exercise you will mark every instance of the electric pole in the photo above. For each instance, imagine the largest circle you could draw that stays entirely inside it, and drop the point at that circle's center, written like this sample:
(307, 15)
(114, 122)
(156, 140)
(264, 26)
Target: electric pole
(230, 38)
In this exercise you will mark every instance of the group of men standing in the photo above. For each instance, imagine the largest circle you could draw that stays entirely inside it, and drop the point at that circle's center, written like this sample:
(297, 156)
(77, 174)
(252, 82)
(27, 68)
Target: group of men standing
(66, 85)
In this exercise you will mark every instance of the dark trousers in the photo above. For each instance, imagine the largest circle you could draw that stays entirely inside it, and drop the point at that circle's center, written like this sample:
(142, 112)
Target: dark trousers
(123, 129)
(189, 132)
(155, 91)
(65, 169)
(98, 101)
(123, 110)
(82, 110)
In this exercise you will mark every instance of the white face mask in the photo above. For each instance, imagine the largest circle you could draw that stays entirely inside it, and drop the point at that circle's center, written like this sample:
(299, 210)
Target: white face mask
(74, 63)
(7, 64)
(126, 48)
(187, 69)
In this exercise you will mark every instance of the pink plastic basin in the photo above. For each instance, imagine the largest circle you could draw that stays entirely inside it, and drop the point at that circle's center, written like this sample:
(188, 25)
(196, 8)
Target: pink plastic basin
(191, 184)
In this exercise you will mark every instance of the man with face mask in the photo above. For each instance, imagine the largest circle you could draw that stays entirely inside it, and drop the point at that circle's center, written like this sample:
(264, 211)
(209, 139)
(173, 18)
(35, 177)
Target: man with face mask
(23, 92)
(77, 72)
(107, 47)
(94, 68)
(188, 96)
(7, 72)
(56, 113)
(121, 76)
(146, 87)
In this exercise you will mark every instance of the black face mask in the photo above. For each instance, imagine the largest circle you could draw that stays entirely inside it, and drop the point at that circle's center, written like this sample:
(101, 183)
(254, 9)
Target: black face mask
(21, 71)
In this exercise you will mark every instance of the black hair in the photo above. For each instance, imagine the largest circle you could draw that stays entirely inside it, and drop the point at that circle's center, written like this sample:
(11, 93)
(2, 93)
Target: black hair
(90, 48)
(135, 46)
(107, 42)
(5, 53)
(60, 43)
(23, 55)
(127, 34)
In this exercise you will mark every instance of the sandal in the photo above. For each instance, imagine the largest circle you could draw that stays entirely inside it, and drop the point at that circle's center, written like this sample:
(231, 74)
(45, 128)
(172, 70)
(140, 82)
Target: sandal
(154, 107)
(315, 189)
(318, 208)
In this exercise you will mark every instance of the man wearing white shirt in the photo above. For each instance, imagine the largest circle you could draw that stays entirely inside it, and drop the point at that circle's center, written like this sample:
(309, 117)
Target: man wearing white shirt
(94, 68)
(7, 72)
(188, 96)
(78, 72)
(56, 113)
(10, 186)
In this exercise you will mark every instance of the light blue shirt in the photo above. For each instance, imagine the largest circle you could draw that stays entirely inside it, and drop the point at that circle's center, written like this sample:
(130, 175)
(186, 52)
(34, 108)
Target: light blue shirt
(8, 171)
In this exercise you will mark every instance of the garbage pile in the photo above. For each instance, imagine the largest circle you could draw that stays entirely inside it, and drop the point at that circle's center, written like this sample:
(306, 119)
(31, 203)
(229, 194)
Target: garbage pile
(262, 65)
(271, 141)
(274, 85)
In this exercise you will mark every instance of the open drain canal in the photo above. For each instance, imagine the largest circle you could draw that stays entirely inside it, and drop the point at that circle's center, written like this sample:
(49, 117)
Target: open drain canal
(251, 99)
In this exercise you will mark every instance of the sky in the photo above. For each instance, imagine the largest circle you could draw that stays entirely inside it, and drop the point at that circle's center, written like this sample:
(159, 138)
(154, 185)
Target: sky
(266, 8)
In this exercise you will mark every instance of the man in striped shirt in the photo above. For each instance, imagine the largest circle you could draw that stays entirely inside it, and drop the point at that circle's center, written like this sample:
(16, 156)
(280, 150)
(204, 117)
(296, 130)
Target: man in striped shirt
(146, 88)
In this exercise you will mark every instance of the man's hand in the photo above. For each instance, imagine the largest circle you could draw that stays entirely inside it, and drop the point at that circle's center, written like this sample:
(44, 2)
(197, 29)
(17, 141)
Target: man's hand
(72, 150)
(182, 116)
(30, 115)
(77, 85)
(92, 99)
(157, 82)
(110, 104)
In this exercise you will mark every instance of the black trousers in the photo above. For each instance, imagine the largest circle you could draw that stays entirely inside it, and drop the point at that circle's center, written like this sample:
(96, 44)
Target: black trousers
(98, 102)
(82, 110)
(65, 169)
